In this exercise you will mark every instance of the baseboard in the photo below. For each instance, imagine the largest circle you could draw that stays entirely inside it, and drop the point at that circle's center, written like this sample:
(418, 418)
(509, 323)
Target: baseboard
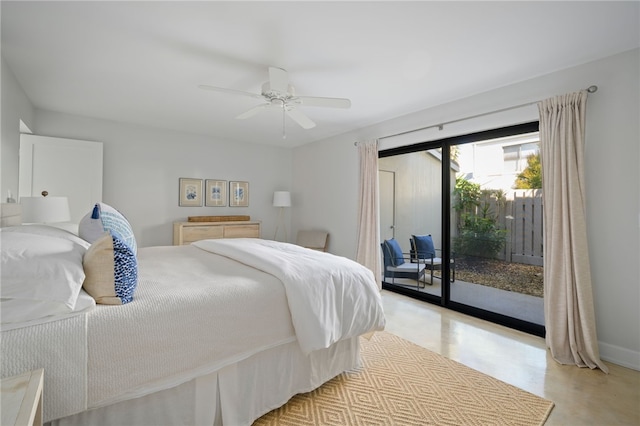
(620, 356)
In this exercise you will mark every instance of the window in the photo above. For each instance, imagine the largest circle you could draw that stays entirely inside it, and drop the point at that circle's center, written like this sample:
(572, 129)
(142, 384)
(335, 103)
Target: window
(515, 156)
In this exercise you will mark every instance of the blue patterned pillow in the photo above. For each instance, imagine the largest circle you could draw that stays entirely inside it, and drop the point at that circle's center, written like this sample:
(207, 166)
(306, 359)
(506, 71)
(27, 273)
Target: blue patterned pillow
(103, 218)
(397, 258)
(111, 270)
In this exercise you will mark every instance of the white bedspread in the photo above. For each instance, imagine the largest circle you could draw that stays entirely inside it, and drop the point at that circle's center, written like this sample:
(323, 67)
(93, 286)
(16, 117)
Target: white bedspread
(330, 297)
(193, 313)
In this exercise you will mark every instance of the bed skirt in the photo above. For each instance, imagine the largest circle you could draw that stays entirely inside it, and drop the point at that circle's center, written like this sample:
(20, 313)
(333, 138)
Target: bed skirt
(237, 394)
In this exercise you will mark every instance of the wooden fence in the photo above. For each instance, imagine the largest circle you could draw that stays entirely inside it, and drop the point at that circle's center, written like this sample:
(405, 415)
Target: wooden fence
(520, 213)
(524, 241)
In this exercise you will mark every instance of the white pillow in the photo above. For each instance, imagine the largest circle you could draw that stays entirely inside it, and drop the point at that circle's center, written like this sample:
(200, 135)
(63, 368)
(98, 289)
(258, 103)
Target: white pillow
(15, 309)
(50, 231)
(67, 226)
(41, 275)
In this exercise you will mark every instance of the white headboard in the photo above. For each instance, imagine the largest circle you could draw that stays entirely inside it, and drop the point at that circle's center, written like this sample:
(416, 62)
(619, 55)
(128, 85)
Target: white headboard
(10, 214)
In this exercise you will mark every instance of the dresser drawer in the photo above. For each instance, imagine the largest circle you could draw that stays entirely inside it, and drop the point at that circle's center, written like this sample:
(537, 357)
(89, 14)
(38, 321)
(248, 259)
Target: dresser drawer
(188, 232)
(195, 233)
(242, 231)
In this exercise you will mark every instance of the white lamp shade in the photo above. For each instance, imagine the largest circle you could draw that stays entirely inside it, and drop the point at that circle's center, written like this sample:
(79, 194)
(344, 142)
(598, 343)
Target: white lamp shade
(281, 199)
(45, 209)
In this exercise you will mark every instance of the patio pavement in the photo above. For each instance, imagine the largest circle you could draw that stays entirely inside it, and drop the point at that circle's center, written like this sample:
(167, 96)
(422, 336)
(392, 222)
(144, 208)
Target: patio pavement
(521, 306)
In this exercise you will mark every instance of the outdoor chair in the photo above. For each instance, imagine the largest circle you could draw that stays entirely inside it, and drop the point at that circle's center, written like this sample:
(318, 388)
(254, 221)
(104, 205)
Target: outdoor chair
(397, 264)
(424, 252)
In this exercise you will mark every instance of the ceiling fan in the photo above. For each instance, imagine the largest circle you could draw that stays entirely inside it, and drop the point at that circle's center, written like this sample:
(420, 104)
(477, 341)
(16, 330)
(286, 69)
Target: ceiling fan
(279, 94)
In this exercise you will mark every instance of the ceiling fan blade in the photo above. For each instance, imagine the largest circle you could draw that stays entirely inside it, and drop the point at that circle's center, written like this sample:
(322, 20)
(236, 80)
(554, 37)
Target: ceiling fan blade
(304, 121)
(230, 91)
(253, 111)
(278, 80)
(323, 102)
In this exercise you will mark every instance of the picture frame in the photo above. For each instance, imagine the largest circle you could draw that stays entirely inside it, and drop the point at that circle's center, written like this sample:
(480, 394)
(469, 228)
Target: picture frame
(215, 193)
(238, 194)
(190, 192)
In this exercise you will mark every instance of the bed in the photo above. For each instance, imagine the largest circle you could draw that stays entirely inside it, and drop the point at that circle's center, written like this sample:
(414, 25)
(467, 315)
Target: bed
(217, 332)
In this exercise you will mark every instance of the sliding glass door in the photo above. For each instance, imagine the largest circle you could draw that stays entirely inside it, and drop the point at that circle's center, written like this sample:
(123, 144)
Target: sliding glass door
(496, 232)
(478, 198)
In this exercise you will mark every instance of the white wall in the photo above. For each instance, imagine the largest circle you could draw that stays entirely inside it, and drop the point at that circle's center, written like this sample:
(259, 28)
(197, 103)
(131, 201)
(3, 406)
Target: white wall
(142, 167)
(325, 192)
(325, 177)
(15, 107)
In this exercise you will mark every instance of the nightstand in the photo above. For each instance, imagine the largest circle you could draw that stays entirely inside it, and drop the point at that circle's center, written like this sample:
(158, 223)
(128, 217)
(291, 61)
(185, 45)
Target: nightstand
(22, 399)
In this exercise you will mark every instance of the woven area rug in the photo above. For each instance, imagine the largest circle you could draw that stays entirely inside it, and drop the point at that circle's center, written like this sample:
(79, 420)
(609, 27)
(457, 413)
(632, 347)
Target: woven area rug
(401, 383)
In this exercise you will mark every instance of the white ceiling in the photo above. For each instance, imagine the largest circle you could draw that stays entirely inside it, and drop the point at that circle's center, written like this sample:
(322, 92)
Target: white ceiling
(141, 62)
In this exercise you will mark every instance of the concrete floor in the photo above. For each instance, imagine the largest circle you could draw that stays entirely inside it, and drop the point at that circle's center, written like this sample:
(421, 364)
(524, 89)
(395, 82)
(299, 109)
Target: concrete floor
(581, 396)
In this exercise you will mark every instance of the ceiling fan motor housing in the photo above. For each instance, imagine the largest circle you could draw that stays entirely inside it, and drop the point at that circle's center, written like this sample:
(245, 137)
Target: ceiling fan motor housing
(274, 94)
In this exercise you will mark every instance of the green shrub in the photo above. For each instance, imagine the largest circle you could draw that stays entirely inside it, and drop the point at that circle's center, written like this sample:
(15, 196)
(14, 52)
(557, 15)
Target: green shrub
(478, 232)
(479, 237)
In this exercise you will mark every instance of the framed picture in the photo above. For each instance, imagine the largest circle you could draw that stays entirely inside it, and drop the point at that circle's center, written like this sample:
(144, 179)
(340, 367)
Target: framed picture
(215, 193)
(190, 192)
(238, 194)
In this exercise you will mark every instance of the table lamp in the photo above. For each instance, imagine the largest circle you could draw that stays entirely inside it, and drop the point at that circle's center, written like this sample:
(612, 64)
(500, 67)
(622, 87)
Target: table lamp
(45, 209)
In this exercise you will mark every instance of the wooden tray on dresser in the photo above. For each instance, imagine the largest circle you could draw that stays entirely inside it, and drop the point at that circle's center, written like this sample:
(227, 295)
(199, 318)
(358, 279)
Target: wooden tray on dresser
(218, 218)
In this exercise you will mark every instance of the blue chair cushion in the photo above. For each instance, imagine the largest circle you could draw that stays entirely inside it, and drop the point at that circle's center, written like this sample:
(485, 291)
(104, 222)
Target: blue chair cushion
(397, 258)
(424, 246)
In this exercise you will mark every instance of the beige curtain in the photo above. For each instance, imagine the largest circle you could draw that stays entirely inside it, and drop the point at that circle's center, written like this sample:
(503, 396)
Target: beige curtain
(568, 299)
(368, 250)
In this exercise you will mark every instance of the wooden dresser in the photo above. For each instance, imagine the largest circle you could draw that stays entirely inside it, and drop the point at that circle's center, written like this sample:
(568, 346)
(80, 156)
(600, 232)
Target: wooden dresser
(188, 232)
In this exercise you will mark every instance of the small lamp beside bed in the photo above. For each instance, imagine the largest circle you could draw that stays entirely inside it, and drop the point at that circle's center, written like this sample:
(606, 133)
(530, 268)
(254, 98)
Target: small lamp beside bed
(45, 209)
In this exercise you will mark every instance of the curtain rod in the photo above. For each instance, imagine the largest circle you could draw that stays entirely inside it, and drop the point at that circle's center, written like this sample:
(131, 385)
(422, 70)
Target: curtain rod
(590, 89)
